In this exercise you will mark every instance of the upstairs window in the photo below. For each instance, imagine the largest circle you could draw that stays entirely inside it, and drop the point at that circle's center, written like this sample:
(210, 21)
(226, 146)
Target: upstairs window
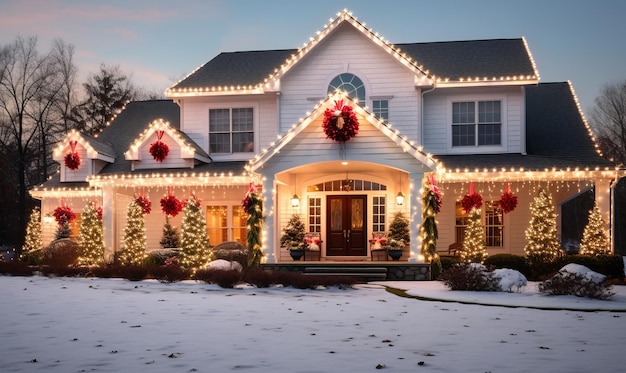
(476, 123)
(381, 109)
(231, 130)
(349, 83)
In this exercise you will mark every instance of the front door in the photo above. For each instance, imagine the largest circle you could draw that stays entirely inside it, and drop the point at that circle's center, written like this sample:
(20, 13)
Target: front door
(346, 225)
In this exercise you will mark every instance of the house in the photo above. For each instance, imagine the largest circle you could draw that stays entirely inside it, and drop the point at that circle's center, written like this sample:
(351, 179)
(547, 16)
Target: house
(468, 114)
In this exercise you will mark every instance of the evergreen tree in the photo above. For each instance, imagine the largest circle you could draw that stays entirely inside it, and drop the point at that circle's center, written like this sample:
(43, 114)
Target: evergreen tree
(293, 236)
(542, 244)
(33, 241)
(595, 239)
(91, 237)
(195, 246)
(134, 243)
(399, 235)
(170, 238)
(63, 230)
(474, 249)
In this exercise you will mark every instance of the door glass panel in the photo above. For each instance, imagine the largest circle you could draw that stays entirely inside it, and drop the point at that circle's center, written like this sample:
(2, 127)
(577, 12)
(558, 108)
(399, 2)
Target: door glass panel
(217, 221)
(357, 215)
(336, 215)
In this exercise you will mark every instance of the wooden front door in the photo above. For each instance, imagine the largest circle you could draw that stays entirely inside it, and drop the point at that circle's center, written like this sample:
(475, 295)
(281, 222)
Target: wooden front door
(346, 225)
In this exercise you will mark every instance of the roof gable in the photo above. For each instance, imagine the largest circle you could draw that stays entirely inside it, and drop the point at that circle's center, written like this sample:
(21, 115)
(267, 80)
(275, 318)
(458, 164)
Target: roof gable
(95, 149)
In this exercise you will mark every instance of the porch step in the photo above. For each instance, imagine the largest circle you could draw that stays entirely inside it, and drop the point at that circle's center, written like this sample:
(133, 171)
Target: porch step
(358, 273)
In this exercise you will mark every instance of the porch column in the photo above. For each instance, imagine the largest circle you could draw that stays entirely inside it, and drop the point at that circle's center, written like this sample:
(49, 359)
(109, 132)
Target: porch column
(415, 200)
(108, 226)
(269, 208)
(603, 199)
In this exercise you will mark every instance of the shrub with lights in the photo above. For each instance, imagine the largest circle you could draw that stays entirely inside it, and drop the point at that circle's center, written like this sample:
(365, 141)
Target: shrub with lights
(134, 243)
(474, 249)
(595, 239)
(33, 241)
(194, 245)
(91, 236)
(542, 244)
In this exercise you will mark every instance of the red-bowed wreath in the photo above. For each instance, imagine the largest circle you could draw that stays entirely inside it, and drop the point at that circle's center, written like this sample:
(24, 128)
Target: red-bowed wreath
(144, 203)
(171, 205)
(471, 200)
(72, 159)
(435, 193)
(159, 149)
(64, 214)
(340, 123)
(508, 202)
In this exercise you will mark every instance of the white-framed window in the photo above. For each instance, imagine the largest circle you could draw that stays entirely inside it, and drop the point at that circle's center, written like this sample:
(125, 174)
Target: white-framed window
(315, 214)
(476, 123)
(381, 109)
(226, 223)
(231, 130)
(493, 223)
(379, 213)
(349, 83)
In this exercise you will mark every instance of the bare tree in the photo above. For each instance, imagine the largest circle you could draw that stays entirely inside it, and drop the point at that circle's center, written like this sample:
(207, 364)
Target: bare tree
(107, 93)
(608, 118)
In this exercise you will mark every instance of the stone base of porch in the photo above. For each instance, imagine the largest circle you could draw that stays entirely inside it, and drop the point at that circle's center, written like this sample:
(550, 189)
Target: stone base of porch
(372, 271)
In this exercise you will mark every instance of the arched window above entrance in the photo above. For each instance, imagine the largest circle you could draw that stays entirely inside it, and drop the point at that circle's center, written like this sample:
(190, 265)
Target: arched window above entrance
(346, 186)
(349, 83)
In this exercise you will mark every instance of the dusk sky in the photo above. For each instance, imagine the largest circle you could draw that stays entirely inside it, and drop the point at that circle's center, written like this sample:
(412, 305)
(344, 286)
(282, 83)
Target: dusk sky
(159, 42)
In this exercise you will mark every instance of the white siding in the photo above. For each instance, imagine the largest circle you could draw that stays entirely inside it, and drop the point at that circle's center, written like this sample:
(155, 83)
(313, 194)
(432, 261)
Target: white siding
(82, 172)
(348, 51)
(173, 159)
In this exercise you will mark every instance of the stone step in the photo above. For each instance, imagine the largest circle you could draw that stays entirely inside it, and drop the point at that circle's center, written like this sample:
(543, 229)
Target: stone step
(358, 273)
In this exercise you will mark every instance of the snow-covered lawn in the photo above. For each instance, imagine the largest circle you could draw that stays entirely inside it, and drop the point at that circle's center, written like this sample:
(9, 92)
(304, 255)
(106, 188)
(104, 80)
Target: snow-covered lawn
(108, 325)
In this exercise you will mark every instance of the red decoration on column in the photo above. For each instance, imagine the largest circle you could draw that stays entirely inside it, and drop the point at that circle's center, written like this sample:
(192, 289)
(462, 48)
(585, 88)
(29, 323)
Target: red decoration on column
(435, 192)
(158, 149)
(508, 202)
(471, 200)
(72, 159)
(340, 123)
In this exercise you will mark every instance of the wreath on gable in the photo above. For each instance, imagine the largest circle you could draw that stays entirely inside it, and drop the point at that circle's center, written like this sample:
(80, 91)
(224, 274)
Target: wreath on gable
(158, 149)
(72, 159)
(471, 200)
(340, 123)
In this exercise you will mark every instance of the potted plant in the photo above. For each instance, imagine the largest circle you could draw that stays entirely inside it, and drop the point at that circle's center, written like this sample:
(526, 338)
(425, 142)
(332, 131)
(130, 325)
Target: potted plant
(293, 237)
(399, 235)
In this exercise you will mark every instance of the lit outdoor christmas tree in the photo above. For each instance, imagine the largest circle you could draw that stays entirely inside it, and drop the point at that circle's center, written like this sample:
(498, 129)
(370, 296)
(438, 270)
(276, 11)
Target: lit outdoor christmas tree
(63, 230)
(194, 242)
(474, 249)
(134, 243)
(542, 244)
(91, 237)
(33, 240)
(595, 239)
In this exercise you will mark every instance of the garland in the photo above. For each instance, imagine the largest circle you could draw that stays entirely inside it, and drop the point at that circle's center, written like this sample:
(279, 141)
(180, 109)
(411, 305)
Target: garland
(158, 149)
(252, 204)
(171, 205)
(145, 204)
(434, 193)
(72, 159)
(508, 202)
(340, 123)
(471, 200)
(64, 214)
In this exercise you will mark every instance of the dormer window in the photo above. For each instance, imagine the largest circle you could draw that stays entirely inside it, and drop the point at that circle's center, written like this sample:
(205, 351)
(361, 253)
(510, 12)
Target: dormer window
(231, 130)
(470, 124)
(349, 83)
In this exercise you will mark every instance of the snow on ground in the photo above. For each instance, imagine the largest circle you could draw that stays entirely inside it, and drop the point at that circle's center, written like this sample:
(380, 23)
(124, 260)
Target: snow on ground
(111, 325)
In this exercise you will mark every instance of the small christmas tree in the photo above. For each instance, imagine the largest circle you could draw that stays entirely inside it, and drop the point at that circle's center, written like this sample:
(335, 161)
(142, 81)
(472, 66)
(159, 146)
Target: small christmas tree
(134, 244)
(595, 239)
(542, 244)
(474, 249)
(33, 241)
(91, 237)
(399, 235)
(63, 230)
(293, 236)
(170, 238)
(194, 242)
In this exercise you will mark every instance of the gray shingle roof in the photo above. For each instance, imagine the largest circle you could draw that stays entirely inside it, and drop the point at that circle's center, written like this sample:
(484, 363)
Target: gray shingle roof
(556, 136)
(454, 60)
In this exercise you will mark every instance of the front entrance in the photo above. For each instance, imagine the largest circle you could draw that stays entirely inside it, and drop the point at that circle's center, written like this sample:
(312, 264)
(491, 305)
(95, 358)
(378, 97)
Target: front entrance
(346, 225)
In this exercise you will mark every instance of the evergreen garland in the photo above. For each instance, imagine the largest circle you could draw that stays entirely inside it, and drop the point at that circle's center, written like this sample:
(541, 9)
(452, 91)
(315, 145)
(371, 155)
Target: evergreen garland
(595, 239)
(134, 242)
(431, 205)
(542, 244)
(194, 242)
(253, 206)
(91, 237)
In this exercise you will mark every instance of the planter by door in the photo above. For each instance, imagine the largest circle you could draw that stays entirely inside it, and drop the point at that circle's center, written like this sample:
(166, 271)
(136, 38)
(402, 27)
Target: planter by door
(296, 254)
(395, 254)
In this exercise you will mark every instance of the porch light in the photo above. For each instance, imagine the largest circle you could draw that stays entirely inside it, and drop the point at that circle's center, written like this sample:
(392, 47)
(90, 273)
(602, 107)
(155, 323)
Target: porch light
(400, 199)
(295, 201)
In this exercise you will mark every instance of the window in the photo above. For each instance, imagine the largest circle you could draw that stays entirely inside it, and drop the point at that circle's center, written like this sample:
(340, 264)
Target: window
(226, 223)
(315, 214)
(469, 125)
(381, 109)
(231, 130)
(494, 226)
(349, 83)
(378, 214)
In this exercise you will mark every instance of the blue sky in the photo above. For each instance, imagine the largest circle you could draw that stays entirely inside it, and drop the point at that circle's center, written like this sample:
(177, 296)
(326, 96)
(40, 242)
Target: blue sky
(158, 42)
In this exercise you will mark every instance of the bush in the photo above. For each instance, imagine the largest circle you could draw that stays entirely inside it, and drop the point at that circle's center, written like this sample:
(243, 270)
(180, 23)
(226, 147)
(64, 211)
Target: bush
(472, 277)
(157, 258)
(611, 266)
(448, 262)
(169, 273)
(566, 283)
(223, 278)
(15, 268)
(132, 272)
(259, 278)
(61, 253)
(33, 257)
(516, 262)
(65, 271)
